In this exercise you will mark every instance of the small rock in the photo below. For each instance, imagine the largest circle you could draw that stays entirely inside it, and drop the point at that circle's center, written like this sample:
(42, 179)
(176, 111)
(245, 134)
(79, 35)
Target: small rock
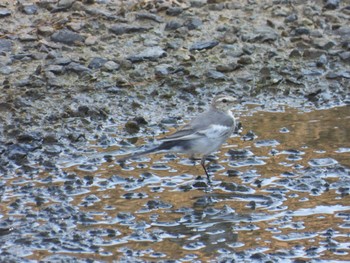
(149, 16)
(57, 69)
(227, 68)
(262, 34)
(245, 60)
(173, 25)
(322, 43)
(174, 11)
(229, 38)
(122, 29)
(213, 74)
(345, 56)
(151, 53)
(111, 66)
(291, 18)
(331, 4)
(29, 9)
(301, 31)
(295, 53)
(193, 23)
(163, 70)
(77, 68)
(97, 62)
(67, 37)
(322, 61)
(5, 45)
(4, 12)
(204, 45)
(312, 53)
(45, 30)
(91, 40)
(332, 75)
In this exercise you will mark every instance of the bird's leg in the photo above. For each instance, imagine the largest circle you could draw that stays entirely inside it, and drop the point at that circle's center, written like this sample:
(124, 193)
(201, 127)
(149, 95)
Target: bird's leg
(205, 169)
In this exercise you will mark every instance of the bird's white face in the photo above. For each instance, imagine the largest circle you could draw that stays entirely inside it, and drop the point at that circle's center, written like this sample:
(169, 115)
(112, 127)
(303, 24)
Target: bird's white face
(224, 102)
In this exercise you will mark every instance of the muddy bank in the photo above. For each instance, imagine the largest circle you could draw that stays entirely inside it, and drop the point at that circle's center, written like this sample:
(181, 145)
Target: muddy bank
(79, 73)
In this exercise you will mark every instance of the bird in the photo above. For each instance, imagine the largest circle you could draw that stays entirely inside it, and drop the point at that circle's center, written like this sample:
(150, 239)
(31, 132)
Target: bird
(202, 135)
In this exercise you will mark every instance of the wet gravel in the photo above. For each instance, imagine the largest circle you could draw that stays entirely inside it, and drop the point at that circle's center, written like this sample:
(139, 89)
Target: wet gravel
(80, 77)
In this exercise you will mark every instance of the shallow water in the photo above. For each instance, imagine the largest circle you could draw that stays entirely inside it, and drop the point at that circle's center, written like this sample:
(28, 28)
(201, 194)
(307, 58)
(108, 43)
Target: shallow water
(282, 196)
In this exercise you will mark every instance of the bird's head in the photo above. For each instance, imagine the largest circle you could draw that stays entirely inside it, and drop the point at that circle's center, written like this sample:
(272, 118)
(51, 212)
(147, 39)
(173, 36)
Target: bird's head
(223, 102)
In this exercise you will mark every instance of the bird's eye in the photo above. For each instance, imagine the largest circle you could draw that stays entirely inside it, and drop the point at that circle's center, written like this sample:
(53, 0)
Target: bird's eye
(224, 100)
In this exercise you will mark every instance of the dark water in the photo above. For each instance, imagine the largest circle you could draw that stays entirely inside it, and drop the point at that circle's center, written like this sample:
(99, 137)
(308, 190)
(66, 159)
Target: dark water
(282, 196)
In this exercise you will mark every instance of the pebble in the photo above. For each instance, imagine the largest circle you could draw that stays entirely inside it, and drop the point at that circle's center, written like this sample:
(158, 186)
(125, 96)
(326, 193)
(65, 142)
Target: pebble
(213, 74)
(228, 67)
(193, 23)
(324, 44)
(4, 12)
(204, 45)
(262, 34)
(173, 25)
(174, 11)
(111, 66)
(291, 18)
(58, 69)
(301, 31)
(331, 4)
(5, 45)
(77, 68)
(67, 37)
(97, 63)
(163, 70)
(149, 16)
(28, 9)
(245, 60)
(312, 53)
(345, 56)
(123, 29)
(151, 53)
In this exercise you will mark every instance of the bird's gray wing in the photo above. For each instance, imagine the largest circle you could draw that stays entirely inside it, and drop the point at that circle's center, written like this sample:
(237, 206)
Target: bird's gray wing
(205, 125)
(211, 131)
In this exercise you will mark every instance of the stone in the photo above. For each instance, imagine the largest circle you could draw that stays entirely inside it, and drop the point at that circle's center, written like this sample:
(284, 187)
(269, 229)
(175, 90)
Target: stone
(291, 18)
(163, 70)
(228, 67)
(126, 29)
(28, 9)
(149, 16)
(5, 45)
(97, 62)
(173, 25)
(174, 11)
(151, 53)
(4, 12)
(312, 53)
(345, 56)
(213, 74)
(301, 31)
(132, 127)
(262, 34)
(67, 37)
(322, 43)
(77, 68)
(331, 4)
(204, 45)
(193, 23)
(245, 60)
(111, 66)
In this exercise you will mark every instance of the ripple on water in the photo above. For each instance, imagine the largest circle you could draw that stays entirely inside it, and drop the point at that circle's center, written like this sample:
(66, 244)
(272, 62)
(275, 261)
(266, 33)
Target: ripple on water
(322, 162)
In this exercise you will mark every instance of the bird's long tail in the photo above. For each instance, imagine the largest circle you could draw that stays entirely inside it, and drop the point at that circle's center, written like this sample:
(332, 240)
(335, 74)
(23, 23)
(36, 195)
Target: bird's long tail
(136, 154)
(165, 146)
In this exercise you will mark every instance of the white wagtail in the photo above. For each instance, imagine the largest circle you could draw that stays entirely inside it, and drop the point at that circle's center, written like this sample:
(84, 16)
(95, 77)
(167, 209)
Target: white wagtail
(202, 135)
